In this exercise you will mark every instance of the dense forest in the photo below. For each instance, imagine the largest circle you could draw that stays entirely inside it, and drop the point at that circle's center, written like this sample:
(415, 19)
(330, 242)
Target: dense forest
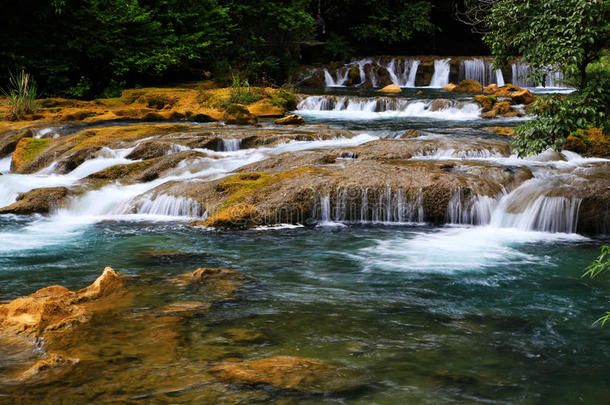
(97, 47)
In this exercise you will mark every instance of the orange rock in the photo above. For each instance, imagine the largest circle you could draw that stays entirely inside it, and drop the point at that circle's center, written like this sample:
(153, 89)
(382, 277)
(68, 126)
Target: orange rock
(523, 96)
(223, 282)
(449, 87)
(391, 88)
(468, 86)
(295, 373)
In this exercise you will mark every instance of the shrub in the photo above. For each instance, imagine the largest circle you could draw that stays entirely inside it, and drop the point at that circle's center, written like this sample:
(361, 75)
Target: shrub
(600, 266)
(21, 95)
(241, 93)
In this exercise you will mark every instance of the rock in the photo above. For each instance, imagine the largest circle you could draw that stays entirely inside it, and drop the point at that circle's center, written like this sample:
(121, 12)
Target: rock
(500, 109)
(37, 201)
(523, 96)
(410, 134)
(505, 131)
(316, 79)
(10, 139)
(286, 372)
(353, 76)
(491, 88)
(50, 361)
(590, 142)
(292, 119)
(75, 158)
(149, 150)
(223, 282)
(391, 88)
(486, 102)
(507, 90)
(468, 86)
(56, 308)
(420, 92)
(449, 87)
(238, 114)
(439, 104)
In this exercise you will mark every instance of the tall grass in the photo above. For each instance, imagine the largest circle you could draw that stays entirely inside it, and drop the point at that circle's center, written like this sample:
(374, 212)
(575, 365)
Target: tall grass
(21, 95)
(241, 93)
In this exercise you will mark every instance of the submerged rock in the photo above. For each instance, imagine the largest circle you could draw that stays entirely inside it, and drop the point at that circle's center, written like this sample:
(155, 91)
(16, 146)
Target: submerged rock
(37, 201)
(185, 308)
(223, 283)
(57, 309)
(286, 372)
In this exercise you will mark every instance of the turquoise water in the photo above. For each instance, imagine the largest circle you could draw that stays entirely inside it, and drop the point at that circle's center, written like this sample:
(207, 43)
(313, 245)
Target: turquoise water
(428, 315)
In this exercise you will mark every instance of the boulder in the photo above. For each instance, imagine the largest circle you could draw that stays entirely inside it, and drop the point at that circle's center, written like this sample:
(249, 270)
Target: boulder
(491, 88)
(523, 96)
(287, 372)
(223, 283)
(238, 114)
(50, 362)
(73, 159)
(149, 150)
(56, 308)
(316, 79)
(486, 102)
(439, 104)
(391, 88)
(468, 86)
(449, 87)
(10, 139)
(292, 119)
(37, 201)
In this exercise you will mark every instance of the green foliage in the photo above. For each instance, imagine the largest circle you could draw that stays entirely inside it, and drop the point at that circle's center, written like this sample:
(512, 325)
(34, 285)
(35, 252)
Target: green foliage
(567, 34)
(241, 93)
(337, 48)
(284, 98)
(21, 95)
(559, 116)
(600, 266)
(392, 21)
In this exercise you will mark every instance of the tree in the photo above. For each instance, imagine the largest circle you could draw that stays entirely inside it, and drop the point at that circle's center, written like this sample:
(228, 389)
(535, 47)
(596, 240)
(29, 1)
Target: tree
(563, 34)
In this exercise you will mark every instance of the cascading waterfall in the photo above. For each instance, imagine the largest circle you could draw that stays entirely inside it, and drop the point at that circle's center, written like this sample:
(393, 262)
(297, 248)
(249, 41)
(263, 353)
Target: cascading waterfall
(481, 70)
(403, 71)
(340, 79)
(388, 106)
(442, 69)
(521, 72)
(369, 206)
(168, 205)
(525, 208)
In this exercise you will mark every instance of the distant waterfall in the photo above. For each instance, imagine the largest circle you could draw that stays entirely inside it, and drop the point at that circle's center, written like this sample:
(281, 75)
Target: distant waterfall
(403, 71)
(386, 106)
(481, 70)
(521, 72)
(337, 81)
(442, 69)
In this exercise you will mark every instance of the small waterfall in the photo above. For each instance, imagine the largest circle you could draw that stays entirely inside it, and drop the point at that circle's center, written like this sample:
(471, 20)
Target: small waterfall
(369, 206)
(403, 71)
(465, 210)
(521, 72)
(442, 69)
(529, 207)
(230, 145)
(168, 205)
(340, 79)
(481, 70)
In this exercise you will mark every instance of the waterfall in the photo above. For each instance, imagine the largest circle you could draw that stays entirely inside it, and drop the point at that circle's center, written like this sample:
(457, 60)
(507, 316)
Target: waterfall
(481, 70)
(339, 81)
(230, 145)
(403, 71)
(521, 72)
(168, 205)
(369, 206)
(528, 207)
(499, 78)
(442, 69)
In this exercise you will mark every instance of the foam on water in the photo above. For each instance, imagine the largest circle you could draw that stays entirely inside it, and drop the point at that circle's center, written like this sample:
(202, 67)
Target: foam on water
(457, 249)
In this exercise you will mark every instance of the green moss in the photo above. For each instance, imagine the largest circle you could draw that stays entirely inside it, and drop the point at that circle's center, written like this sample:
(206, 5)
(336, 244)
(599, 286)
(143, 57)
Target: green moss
(33, 147)
(121, 171)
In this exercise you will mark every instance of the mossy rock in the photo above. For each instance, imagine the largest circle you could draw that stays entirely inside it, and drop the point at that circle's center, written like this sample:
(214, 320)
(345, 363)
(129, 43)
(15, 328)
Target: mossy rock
(238, 114)
(26, 150)
(468, 86)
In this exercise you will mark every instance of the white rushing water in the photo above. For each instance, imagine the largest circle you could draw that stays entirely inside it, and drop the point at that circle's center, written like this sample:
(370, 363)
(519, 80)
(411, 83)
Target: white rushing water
(361, 108)
(481, 70)
(442, 69)
(402, 72)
